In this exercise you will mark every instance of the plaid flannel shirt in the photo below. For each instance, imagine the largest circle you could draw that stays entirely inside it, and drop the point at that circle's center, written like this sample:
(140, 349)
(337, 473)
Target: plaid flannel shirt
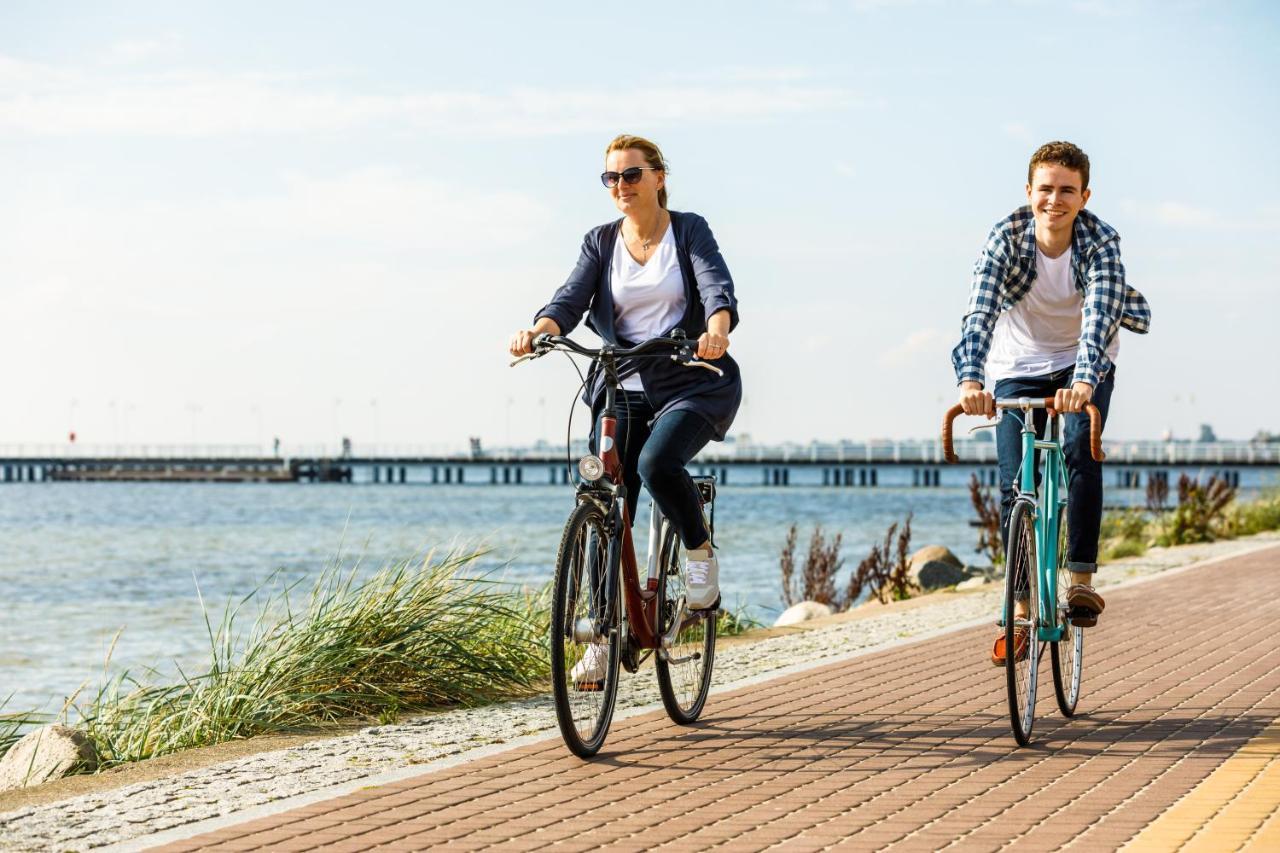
(1005, 271)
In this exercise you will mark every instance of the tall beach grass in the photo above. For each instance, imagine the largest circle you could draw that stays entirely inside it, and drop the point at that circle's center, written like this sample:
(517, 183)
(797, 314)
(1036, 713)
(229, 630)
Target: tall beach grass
(415, 635)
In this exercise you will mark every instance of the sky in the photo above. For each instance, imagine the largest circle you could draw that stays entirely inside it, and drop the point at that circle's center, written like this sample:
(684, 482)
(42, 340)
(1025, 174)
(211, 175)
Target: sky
(227, 222)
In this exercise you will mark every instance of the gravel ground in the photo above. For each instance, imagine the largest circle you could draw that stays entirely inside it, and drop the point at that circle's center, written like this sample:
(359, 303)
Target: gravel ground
(137, 810)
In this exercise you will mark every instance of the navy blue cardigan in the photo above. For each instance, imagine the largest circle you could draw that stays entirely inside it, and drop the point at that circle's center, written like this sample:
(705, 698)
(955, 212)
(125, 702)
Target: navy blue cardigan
(708, 289)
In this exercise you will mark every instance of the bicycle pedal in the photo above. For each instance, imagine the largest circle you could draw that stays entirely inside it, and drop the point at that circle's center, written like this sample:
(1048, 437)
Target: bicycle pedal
(1083, 617)
(588, 686)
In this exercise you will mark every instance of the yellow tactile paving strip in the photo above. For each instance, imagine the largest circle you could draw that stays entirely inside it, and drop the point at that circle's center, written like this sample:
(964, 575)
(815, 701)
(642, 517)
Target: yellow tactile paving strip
(1237, 807)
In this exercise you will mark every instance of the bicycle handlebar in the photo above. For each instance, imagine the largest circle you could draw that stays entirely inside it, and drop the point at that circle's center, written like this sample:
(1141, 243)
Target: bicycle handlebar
(1095, 423)
(685, 349)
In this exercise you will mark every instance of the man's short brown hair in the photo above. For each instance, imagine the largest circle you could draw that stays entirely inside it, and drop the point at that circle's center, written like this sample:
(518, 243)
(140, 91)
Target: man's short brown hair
(1061, 154)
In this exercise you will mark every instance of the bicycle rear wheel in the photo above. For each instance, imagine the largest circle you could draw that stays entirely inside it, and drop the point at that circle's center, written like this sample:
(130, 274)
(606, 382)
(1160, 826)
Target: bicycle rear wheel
(685, 679)
(1067, 655)
(1022, 645)
(584, 633)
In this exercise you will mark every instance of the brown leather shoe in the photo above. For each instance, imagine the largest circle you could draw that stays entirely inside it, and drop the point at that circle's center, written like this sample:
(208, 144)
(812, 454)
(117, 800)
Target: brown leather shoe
(1085, 605)
(1021, 637)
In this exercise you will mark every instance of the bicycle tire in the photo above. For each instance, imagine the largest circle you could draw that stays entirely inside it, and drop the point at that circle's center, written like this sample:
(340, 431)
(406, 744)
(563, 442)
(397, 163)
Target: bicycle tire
(684, 684)
(1067, 654)
(1021, 674)
(584, 709)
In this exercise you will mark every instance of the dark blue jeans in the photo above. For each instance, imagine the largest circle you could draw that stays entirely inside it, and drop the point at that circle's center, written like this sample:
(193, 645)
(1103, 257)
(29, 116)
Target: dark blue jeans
(1084, 476)
(657, 457)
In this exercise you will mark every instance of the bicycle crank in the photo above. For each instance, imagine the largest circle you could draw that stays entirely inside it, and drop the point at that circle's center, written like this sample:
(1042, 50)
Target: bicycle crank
(666, 656)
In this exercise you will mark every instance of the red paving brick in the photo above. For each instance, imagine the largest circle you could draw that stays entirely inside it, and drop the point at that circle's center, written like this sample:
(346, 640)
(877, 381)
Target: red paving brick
(906, 749)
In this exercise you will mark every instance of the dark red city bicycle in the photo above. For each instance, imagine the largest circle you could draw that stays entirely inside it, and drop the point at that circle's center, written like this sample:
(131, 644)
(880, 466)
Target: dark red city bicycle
(603, 616)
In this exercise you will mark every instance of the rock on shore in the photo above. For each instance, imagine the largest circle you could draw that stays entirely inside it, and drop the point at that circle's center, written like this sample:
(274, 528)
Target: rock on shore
(49, 752)
(802, 612)
(934, 567)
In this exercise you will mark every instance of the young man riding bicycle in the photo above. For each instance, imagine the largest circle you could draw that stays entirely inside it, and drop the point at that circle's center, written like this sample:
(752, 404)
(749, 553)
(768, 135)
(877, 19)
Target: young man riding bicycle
(1046, 303)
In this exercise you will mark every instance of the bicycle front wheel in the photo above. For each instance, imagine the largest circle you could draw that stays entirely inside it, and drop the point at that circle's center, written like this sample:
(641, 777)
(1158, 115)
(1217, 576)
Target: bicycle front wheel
(1021, 643)
(684, 667)
(1067, 655)
(584, 637)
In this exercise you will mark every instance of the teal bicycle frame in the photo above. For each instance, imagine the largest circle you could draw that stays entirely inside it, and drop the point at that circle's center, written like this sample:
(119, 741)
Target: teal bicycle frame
(1047, 512)
(1045, 503)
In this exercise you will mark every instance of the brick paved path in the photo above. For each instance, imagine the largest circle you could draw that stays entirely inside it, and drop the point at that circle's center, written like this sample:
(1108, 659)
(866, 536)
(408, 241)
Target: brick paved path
(906, 749)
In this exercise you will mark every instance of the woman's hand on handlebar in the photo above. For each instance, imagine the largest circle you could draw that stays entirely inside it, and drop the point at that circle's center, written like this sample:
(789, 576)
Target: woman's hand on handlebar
(976, 401)
(711, 346)
(714, 342)
(1073, 399)
(521, 342)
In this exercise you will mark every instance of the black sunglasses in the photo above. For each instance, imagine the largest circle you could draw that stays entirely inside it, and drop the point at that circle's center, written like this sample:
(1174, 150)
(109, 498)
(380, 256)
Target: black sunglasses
(631, 176)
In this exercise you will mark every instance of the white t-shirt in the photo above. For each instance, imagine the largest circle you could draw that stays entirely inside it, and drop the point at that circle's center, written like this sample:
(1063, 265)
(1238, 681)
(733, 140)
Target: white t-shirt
(1041, 333)
(648, 299)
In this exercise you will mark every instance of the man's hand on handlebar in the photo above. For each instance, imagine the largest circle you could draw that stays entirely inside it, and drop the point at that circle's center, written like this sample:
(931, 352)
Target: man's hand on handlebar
(976, 401)
(1073, 399)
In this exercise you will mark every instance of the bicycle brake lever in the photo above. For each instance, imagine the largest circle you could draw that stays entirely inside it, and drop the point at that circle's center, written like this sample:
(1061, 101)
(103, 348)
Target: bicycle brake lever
(529, 356)
(711, 367)
(984, 426)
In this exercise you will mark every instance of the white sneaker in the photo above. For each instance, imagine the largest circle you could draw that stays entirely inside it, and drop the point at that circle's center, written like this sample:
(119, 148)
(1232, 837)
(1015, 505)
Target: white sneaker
(589, 673)
(702, 577)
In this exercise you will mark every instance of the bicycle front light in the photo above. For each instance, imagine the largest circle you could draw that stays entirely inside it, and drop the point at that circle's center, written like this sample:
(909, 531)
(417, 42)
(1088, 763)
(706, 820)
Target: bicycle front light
(591, 468)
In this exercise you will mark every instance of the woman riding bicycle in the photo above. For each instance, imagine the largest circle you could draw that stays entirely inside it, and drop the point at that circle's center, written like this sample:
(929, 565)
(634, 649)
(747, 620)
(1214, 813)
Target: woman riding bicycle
(646, 275)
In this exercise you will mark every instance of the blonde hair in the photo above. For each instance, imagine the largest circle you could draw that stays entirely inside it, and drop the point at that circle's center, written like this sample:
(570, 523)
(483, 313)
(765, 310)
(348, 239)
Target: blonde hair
(652, 155)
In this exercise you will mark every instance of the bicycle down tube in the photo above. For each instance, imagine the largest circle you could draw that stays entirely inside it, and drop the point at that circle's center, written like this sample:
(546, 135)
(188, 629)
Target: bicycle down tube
(640, 602)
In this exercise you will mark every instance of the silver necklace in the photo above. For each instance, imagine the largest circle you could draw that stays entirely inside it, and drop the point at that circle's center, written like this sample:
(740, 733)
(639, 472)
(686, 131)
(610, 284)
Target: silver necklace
(644, 244)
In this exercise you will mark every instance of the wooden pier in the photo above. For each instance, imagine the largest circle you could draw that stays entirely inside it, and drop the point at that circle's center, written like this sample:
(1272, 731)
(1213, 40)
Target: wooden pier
(1130, 465)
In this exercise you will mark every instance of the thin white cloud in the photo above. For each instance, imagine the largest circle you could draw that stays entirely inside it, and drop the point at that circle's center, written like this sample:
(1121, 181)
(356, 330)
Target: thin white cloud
(138, 51)
(53, 101)
(1180, 214)
(60, 246)
(845, 169)
(742, 74)
(1018, 130)
(922, 341)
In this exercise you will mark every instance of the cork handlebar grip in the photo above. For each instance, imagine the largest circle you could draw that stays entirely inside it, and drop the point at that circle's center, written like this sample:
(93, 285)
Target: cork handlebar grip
(948, 451)
(1095, 430)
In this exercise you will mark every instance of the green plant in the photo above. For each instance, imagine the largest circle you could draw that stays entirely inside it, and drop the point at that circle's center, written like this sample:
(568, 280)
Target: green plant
(411, 636)
(14, 725)
(1124, 534)
(734, 621)
(1125, 548)
(1256, 516)
(1200, 515)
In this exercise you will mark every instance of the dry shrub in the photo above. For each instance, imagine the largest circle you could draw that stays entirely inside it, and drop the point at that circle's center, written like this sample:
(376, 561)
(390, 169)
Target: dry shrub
(1157, 494)
(987, 508)
(817, 581)
(885, 573)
